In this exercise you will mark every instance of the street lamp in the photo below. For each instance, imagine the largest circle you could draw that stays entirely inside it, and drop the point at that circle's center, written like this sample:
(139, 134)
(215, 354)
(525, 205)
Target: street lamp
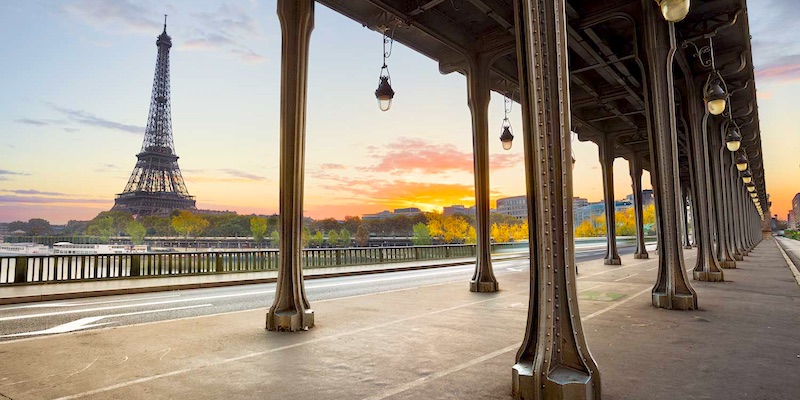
(751, 187)
(385, 93)
(506, 137)
(747, 176)
(741, 160)
(715, 93)
(733, 139)
(674, 10)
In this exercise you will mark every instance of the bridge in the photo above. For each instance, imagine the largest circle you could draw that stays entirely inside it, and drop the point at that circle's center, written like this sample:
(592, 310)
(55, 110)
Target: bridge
(665, 84)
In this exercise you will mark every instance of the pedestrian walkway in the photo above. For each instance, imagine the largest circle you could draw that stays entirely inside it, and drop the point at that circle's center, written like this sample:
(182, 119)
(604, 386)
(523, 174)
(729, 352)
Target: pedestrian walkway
(15, 294)
(441, 342)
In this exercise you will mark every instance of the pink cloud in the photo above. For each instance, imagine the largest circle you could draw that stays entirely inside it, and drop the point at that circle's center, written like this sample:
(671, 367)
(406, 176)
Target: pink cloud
(786, 73)
(425, 156)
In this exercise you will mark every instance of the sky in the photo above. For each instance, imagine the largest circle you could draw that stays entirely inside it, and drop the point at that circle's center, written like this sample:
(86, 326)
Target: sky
(77, 77)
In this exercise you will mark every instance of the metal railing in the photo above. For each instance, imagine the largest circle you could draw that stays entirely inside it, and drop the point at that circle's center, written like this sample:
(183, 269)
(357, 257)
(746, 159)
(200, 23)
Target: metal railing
(34, 269)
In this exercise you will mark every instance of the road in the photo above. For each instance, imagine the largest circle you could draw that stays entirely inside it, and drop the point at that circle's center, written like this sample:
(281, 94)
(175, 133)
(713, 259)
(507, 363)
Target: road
(55, 317)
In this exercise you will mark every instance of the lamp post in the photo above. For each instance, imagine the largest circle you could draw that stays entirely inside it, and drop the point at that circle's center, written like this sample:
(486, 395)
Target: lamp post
(715, 93)
(741, 160)
(384, 93)
(506, 137)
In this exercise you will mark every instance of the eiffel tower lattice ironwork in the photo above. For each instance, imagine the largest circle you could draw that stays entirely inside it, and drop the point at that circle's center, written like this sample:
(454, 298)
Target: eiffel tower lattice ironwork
(156, 185)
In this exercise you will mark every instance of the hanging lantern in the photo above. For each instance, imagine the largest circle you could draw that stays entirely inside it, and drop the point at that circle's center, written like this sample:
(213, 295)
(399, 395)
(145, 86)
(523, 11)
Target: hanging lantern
(674, 10)
(733, 138)
(741, 160)
(715, 95)
(506, 137)
(384, 93)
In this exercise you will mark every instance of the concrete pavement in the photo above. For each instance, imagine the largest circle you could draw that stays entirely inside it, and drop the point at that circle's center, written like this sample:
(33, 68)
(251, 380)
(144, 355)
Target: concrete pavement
(441, 341)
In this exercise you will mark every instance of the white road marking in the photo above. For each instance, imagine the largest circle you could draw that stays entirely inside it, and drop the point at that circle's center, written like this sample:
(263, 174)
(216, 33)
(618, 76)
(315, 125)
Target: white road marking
(88, 322)
(154, 303)
(629, 276)
(74, 304)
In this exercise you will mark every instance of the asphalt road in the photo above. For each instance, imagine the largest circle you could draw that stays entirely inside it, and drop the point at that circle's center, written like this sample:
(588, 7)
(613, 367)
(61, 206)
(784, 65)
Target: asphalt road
(54, 317)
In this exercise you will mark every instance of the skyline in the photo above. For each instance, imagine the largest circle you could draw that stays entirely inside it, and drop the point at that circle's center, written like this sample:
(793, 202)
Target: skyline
(77, 107)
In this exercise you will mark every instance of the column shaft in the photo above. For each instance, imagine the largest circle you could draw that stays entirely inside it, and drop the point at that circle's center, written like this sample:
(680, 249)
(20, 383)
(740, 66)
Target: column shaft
(606, 147)
(717, 152)
(638, 208)
(478, 92)
(706, 267)
(672, 289)
(553, 361)
(290, 310)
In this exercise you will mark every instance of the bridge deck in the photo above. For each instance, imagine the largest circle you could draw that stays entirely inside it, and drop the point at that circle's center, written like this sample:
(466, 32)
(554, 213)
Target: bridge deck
(428, 343)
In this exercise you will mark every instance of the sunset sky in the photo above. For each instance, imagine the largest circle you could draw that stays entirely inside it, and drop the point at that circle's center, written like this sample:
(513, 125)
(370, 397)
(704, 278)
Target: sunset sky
(77, 76)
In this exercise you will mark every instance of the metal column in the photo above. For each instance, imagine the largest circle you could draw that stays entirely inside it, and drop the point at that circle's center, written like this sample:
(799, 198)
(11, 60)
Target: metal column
(553, 361)
(638, 208)
(290, 310)
(606, 147)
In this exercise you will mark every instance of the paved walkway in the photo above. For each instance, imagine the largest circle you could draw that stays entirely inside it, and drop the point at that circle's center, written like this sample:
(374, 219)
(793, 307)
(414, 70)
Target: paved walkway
(441, 342)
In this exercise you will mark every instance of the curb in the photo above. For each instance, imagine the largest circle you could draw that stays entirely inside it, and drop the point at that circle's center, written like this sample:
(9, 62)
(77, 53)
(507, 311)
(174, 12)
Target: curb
(166, 288)
(789, 261)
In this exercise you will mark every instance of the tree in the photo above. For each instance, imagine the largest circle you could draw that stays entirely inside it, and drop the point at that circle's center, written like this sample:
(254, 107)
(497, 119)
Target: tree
(344, 237)
(333, 238)
(362, 235)
(316, 239)
(422, 235)
(306, 237)
(258, 227)
(103, 227)
(136, 231)
(39, 227)
(188, 224)
(158, 226)
(472, 235)
(274, 239)
(626, 222)
(501, 233)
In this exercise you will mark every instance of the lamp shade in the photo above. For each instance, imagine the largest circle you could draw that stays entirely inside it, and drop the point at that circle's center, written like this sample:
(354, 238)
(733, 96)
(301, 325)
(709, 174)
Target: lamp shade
(384, 93)
(733, 139)
(506, 137)
(674, 10)
(715, 96)
(741, 160)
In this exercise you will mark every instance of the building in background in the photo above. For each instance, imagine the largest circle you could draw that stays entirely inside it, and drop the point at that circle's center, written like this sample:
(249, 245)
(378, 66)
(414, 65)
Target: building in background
(578, 202)
(458, 209)
(516, 206)
(408, 212)
(794, 214)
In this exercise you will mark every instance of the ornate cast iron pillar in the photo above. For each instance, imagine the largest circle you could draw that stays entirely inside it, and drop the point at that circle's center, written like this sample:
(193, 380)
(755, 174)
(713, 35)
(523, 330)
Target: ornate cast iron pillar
(706, 268)
(290, 310)
(741, 247)
(606, 147)
(478, 92)
(553, 361)
(687, 243)
(717, 148)
(672, 289)
(638, 208)
(731, 177)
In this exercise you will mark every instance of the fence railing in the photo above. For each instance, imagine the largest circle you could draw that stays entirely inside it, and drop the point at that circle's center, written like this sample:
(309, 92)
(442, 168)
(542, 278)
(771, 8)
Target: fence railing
(33, 269)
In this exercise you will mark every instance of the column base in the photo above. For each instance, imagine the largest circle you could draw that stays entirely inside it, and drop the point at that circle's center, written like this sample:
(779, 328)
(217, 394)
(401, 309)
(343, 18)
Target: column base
(483, 287)
(729, 264)
(744, 253)
(290, 321)
(561, 383)
(676, 302)
(687, 247)
(708, 276)
(641, 256)
(612, 261)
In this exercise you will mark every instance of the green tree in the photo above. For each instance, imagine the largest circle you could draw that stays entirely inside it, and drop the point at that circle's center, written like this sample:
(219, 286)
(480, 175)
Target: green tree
(333, 238)
(344, 237)
(258, 227)
(362, 235)
(317, 239)
(188, 224)
(306, 238)
(274, 239)
(102, 227)
(136, 231)
(422, 235)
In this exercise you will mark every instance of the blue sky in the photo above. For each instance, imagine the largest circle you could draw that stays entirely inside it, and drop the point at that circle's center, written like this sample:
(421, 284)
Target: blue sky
(78, 76)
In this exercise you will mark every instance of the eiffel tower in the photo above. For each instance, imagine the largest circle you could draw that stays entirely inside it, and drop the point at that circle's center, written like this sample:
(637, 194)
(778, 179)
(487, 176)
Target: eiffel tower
(156, 185)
